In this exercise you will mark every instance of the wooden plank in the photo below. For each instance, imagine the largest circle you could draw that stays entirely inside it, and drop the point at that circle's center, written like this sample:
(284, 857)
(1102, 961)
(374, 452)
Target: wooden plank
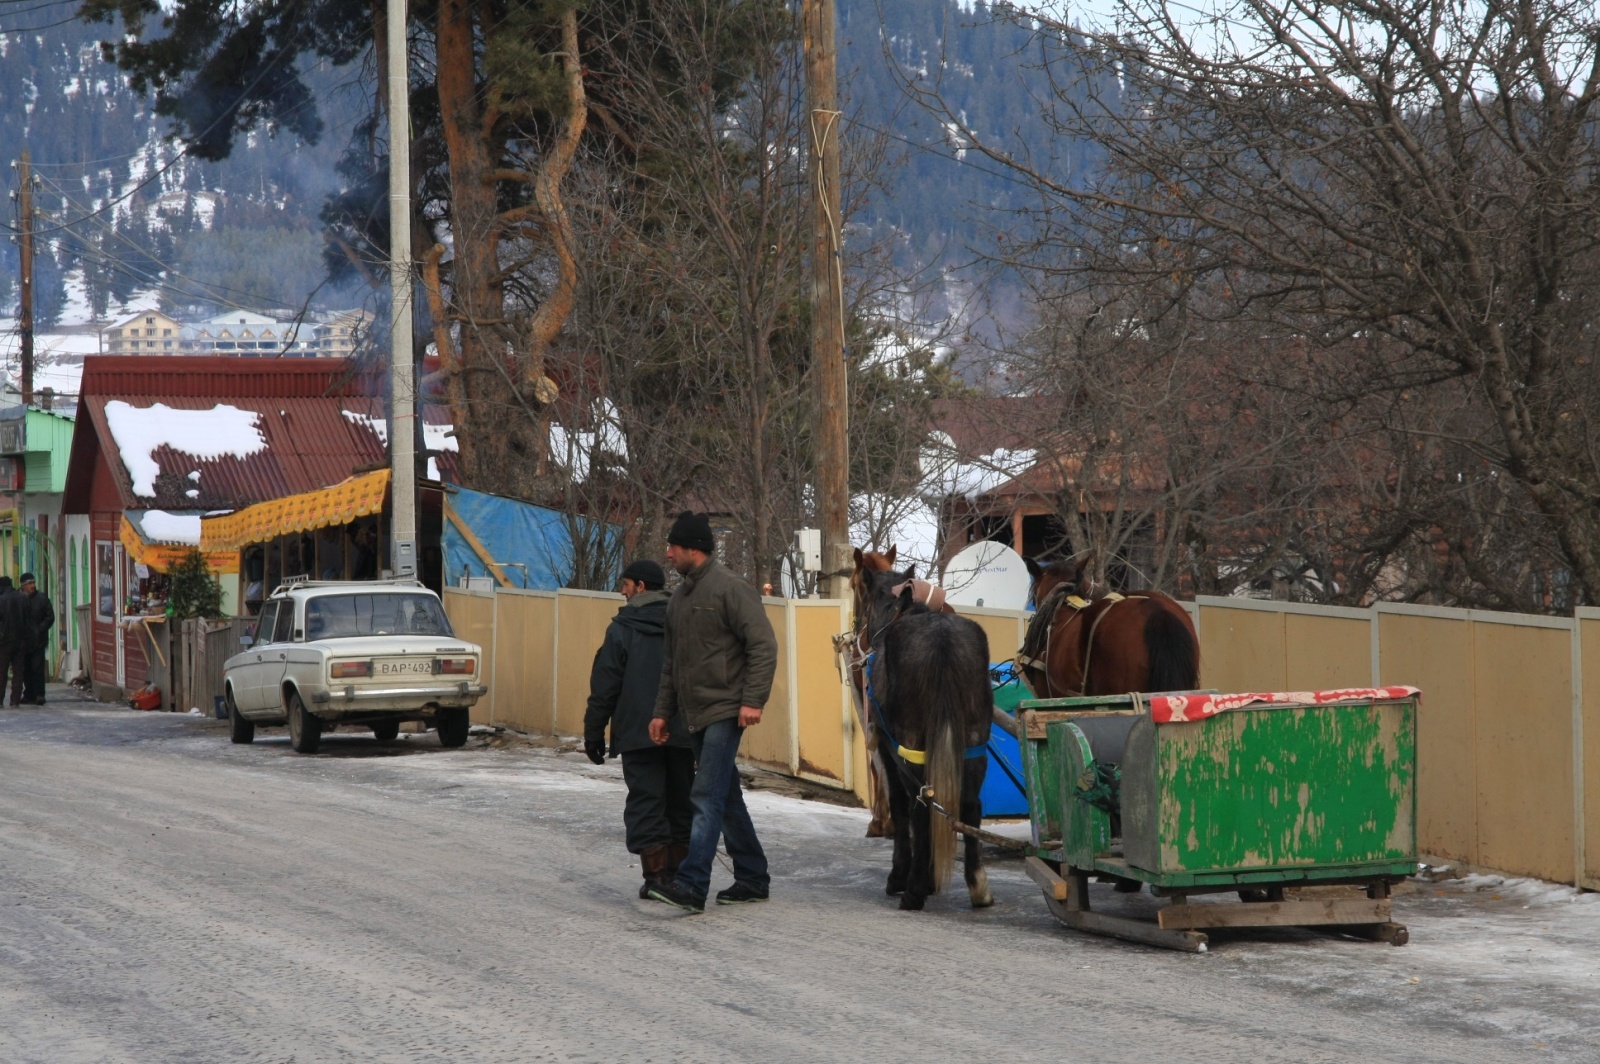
(1036, 721)
(1054, 886)
(1276, 913)
(1141, 931)
(477, 546)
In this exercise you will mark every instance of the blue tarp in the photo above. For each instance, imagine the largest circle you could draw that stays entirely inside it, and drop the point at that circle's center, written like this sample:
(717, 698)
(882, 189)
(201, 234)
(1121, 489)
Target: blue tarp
(533, 544)
(1002, 790)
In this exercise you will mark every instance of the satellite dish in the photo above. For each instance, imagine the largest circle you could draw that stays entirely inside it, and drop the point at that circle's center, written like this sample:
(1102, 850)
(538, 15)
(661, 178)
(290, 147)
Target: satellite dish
(987, 574)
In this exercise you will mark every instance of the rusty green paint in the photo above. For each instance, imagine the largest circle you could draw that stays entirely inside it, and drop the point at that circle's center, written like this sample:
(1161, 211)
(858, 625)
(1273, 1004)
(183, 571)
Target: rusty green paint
(1286, 788)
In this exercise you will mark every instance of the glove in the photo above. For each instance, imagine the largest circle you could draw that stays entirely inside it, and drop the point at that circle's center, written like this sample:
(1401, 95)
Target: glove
(596, 749)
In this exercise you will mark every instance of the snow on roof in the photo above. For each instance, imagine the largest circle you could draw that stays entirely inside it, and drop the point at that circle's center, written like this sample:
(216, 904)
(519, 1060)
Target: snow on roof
(434, 437)
(944, 474)
(221, 431)
(161, 526)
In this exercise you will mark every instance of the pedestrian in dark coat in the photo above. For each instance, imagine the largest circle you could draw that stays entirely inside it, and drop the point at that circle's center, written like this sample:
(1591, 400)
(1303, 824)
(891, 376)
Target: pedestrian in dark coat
(721, 655)
(13, 633)
(41, 617)
(622, 694)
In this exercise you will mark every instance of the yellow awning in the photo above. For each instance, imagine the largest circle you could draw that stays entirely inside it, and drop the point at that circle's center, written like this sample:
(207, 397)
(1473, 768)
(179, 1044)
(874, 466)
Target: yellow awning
(161, 557)
(338, 505)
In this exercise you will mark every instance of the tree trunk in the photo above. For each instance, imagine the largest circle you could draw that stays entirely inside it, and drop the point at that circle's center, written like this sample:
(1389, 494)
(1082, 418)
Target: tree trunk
(499, 447)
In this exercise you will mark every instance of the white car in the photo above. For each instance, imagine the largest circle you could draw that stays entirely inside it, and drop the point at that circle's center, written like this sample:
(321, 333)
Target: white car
(371, 653)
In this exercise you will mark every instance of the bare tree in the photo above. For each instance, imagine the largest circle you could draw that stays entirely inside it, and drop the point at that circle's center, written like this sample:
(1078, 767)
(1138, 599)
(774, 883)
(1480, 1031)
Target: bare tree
(1411, 191)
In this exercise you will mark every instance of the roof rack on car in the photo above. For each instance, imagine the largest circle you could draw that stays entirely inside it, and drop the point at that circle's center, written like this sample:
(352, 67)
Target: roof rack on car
(294, 583)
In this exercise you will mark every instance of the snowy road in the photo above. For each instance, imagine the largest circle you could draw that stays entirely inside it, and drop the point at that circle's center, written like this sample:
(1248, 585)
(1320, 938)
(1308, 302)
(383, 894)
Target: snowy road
(165, 896)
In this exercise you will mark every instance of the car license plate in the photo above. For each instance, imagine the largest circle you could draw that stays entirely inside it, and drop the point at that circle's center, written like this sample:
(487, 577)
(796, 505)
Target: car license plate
(412, 667)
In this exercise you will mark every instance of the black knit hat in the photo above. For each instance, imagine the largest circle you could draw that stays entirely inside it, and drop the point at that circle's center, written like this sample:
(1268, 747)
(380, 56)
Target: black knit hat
(25, 578)
(646, 572)
(692, 530)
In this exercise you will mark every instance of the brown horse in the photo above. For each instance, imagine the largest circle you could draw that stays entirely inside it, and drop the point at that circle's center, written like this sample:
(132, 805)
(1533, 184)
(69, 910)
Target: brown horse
(868, 562)
(1142, 641)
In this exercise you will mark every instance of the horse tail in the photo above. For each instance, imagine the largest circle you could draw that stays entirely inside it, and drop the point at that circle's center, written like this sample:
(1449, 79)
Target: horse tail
(944, 778)
(1172, 651)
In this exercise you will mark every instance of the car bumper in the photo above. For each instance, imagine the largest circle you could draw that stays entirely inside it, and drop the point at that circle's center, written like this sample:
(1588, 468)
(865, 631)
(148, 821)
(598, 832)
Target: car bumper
(369, 698)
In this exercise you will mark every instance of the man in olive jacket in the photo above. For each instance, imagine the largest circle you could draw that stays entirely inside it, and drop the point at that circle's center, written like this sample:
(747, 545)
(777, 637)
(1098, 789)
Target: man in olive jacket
(720, 659)
(622, 693)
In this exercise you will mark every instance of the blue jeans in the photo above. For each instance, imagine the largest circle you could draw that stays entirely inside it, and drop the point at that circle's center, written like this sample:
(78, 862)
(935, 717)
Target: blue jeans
(719, 812)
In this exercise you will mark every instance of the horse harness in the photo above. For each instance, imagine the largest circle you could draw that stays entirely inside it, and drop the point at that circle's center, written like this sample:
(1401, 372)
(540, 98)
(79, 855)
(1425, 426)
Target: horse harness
(1049, 612)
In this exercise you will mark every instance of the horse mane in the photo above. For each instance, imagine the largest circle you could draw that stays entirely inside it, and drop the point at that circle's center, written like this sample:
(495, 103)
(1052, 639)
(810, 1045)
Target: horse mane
(1036, 638)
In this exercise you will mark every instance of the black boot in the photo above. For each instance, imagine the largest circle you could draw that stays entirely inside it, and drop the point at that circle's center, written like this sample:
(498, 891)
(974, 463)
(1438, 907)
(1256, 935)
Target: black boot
(653, 861)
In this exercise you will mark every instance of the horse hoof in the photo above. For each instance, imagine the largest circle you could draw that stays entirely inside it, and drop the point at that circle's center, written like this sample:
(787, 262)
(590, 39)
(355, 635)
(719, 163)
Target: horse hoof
(911, 905)
(875, 830)
(894, 889)
(983, 901)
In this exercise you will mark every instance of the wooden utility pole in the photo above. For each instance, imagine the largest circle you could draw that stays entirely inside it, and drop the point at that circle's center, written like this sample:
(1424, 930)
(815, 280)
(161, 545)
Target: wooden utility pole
(402, 374)
(827, 297)
(25, 296)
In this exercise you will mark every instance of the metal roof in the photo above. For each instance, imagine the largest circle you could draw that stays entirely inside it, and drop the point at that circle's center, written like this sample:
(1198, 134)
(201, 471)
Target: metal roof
(310, 444)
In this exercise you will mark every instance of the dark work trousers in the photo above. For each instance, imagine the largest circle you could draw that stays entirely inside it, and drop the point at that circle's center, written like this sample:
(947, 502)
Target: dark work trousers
(12, 658)
(657, 811)
(33, 674)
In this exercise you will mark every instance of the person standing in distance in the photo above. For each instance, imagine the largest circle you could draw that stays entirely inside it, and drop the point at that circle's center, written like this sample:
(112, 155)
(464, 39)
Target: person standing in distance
(41, 618)
(622, 693)
(717, 673)
(13, 639)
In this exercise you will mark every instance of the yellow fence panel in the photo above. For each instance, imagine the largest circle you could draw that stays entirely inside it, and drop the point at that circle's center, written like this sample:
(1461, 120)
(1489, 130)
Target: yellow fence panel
(1322, 651)
(471, 615)
(824, 718)
(582, 618)
(1003, 627)
(1588, 722)
(1241, 649)
(1524, 747)
(1434, 653)
(525, 660)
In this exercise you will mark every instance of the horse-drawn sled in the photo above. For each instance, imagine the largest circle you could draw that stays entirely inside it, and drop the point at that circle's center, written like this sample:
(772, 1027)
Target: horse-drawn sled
(1269, 797)
(1301, 805)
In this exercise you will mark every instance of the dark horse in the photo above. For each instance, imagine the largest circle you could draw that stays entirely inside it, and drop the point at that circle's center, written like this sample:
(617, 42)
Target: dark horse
(859, 646)
(1117, 644)
(928, 689)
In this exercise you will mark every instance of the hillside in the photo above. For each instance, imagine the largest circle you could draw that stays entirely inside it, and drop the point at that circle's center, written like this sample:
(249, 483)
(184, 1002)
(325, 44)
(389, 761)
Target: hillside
(125, 215)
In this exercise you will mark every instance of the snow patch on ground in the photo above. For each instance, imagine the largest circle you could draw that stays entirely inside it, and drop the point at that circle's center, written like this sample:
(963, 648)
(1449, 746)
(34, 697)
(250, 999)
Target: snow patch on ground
(222, 431)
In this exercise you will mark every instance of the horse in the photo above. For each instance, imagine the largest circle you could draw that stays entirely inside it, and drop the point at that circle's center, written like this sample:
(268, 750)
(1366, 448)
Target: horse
(928, 689)
(881, 825)
(1117, 644)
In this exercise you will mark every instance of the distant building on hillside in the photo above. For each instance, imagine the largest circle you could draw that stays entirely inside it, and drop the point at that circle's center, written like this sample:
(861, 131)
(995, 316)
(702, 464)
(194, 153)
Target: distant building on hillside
(149, 332)
(238, 332)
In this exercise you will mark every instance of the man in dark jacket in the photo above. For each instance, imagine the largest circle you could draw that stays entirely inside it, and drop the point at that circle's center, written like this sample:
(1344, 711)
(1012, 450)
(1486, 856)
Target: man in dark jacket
(41, 617)
(622, 693)
(717, 675)
(13, 629)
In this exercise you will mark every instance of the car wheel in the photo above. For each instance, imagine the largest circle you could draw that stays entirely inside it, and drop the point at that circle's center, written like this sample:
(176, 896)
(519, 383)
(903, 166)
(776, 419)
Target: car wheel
(452, 725)
(385, 730)
(305, 728)
(239, 730)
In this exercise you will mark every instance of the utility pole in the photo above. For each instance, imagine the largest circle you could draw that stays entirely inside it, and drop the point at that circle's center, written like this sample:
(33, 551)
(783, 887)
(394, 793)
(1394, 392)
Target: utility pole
(402, 374)
(827, 297)
(25, 296)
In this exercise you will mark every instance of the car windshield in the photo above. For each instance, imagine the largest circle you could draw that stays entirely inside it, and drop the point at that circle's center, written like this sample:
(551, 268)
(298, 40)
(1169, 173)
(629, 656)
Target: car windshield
(395, 613)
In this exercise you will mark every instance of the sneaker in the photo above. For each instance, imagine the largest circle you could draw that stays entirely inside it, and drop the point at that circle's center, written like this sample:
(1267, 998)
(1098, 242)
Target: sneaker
(738, 894)
(673, 894)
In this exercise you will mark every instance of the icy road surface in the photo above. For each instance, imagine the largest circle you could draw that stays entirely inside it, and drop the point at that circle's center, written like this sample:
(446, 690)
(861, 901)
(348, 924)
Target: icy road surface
(168, 897)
